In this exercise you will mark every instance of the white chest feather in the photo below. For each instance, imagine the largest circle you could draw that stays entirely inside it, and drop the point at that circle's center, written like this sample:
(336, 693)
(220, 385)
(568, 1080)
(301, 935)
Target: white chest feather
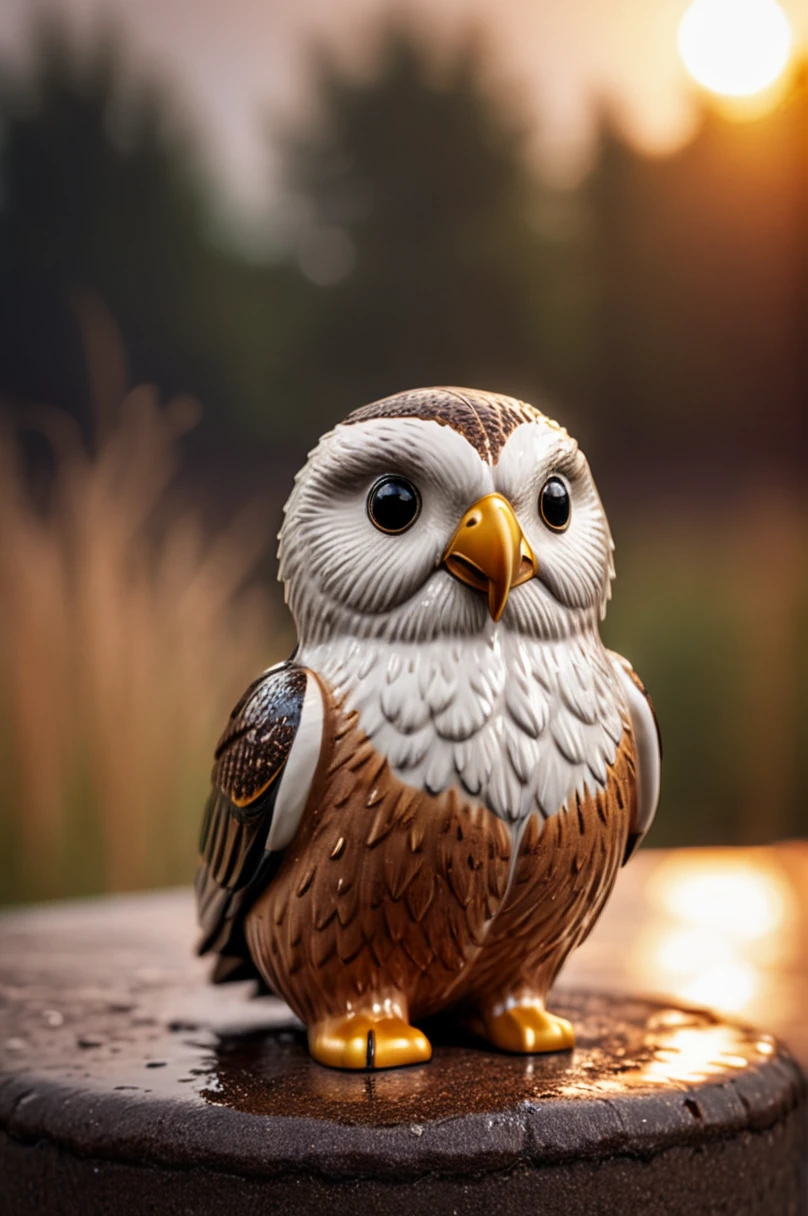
(520, 725)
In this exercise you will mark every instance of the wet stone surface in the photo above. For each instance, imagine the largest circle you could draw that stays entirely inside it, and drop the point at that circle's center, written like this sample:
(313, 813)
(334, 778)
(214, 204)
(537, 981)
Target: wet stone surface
(113, 1045)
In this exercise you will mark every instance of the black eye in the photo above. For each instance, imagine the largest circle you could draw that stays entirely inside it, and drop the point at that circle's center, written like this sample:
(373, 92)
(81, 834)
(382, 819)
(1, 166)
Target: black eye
(393, 504)
(554, 504)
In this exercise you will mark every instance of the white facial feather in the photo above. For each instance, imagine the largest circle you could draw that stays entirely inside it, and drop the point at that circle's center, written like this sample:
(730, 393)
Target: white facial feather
(521, 714)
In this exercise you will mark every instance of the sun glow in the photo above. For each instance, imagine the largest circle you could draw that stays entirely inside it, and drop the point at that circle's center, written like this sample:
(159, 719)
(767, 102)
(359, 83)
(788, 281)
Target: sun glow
(735, 48)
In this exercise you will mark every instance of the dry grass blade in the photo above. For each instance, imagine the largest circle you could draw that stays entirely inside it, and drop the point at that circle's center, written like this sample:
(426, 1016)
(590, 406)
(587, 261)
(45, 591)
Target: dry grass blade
(126, 633)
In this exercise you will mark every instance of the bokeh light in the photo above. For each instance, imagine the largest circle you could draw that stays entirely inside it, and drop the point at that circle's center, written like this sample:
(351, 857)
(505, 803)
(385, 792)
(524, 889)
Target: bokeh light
(729, 896)
(720, 920)
(735, 48)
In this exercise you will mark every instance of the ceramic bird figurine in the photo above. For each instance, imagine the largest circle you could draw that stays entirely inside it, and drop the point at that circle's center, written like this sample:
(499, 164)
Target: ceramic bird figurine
(426, 807)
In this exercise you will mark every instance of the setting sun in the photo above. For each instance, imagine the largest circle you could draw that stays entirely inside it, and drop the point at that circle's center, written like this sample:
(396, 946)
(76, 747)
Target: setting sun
(735, 47)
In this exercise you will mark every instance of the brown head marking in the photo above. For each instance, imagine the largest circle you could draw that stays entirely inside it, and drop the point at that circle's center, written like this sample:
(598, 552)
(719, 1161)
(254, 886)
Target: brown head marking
(484, 419)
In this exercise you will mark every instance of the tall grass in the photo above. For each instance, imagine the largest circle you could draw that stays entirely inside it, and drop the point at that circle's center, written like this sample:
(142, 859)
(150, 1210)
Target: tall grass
(126, 632)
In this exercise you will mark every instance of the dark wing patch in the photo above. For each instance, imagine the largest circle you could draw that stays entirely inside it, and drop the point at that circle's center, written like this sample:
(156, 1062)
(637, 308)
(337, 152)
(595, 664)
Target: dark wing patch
(485, 420)
(254, 747)
(249, 760)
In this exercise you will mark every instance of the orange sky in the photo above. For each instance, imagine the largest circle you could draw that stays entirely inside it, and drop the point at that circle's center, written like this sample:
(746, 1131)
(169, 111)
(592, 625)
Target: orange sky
(240, 61)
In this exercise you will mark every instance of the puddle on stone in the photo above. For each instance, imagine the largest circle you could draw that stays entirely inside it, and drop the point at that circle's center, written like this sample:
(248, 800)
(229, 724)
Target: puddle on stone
(635, 1047)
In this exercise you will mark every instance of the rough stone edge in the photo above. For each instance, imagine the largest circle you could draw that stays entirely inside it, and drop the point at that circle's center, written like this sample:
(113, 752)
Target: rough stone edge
(541, 1134)
(58, 1182)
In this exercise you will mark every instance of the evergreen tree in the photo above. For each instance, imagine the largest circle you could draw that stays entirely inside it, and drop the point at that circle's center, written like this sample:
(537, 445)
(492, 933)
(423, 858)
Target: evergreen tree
(700, 331)
(417, 197)
(99, 195)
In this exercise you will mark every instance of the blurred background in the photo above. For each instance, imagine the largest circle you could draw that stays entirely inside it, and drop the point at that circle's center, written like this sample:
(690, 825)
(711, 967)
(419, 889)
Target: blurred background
(224, 225)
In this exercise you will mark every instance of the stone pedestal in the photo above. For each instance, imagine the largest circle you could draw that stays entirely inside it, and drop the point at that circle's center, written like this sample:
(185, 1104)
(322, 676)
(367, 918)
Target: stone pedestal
(130, 1085)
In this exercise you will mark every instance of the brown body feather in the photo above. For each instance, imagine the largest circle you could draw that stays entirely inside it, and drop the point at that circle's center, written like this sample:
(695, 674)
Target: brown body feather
(390, 893)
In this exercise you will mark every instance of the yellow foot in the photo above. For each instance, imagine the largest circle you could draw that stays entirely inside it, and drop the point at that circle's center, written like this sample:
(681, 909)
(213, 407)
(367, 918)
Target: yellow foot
(528, 1028)
(365, 1040)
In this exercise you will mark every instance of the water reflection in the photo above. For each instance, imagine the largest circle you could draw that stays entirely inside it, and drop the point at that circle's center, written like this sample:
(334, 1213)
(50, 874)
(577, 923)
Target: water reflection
(623, 1044)
(689, 1053)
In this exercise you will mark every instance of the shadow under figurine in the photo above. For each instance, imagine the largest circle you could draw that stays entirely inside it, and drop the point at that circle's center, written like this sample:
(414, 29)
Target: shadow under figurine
(426, 807)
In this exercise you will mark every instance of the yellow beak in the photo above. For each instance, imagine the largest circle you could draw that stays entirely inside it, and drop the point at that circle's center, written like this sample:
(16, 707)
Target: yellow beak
(489, 551)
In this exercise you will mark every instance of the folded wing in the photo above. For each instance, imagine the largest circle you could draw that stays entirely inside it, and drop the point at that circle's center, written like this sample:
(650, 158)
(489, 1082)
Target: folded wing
(262, 774)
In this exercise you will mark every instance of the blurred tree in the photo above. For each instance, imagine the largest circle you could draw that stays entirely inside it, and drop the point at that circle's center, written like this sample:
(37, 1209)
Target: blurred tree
(419, 227)
(700, 328)
(100, 194)
(699, 340)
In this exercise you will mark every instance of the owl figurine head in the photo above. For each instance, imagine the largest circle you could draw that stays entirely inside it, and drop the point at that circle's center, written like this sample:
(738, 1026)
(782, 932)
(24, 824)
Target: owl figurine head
(420, 515)
(426, 807)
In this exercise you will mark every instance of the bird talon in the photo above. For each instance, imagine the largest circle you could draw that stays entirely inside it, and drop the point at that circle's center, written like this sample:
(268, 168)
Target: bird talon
(361, 1041)
(528, 1028)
